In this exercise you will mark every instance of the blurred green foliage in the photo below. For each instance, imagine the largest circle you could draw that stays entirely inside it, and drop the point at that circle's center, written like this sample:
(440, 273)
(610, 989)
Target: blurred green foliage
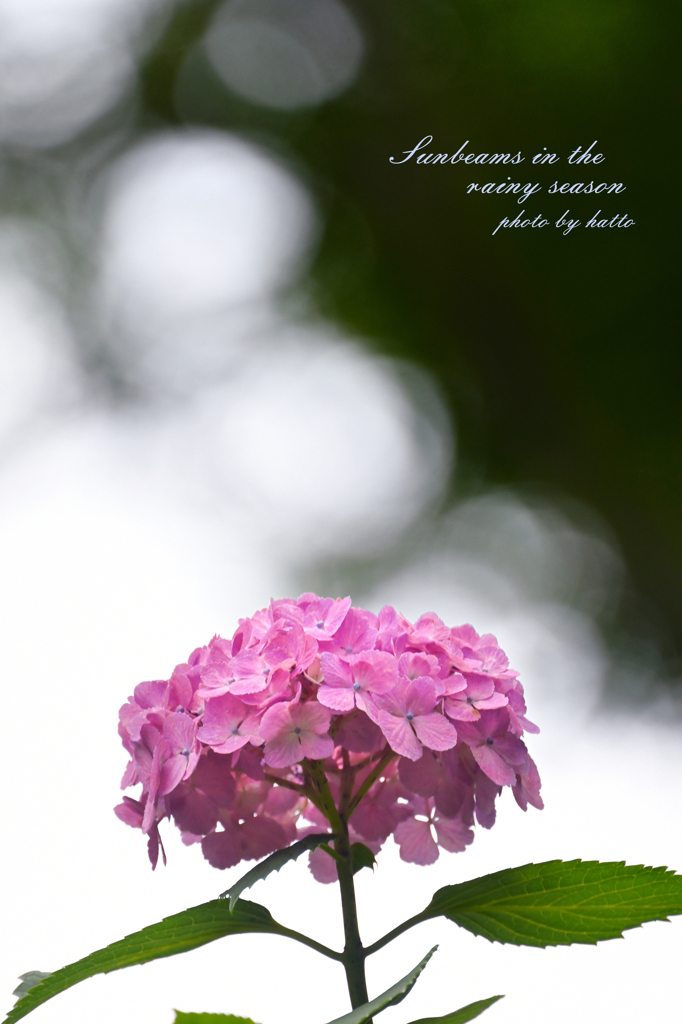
(559, 355)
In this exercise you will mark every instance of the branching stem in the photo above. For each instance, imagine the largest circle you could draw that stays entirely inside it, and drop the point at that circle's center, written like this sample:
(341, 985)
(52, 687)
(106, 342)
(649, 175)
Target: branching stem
(381, 765)
(394, 933)
(299, 937)
(305, 791)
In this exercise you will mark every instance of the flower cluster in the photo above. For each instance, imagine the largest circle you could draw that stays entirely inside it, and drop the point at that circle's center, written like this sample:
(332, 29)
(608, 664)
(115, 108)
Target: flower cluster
(411, 730)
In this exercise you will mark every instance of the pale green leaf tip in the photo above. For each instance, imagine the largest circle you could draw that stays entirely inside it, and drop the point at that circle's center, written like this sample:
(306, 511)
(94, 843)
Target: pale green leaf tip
(29, 980)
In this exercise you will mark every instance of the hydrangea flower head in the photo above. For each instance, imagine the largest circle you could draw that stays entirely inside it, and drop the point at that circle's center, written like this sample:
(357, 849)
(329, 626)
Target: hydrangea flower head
(409, 730)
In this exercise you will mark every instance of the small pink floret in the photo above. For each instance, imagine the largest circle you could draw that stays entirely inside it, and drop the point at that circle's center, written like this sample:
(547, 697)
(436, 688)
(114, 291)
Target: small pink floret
(294, 731)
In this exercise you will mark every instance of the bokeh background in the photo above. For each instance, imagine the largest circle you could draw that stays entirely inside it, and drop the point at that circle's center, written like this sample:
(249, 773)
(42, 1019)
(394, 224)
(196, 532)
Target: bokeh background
(242, 355)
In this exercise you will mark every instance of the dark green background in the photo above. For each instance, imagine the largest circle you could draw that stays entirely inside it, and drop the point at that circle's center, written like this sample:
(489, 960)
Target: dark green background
(558, 354)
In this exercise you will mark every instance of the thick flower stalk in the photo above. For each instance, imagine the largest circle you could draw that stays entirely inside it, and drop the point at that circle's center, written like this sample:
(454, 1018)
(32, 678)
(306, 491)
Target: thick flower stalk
(317, 713)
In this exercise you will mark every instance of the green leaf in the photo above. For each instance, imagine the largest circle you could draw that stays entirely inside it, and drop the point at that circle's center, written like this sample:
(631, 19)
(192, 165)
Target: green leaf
(274, 862)
(390, 997)
(177, 934)
(558, 903)
(209, 1018)
(361, 857)
(467, 1012)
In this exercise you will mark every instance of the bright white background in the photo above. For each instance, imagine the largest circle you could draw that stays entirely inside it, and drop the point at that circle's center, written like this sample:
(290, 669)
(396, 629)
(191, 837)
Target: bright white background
(241, 442)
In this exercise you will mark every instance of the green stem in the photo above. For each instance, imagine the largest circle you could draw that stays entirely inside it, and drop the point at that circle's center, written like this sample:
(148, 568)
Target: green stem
(353, 957)
(299, 937)
(295, 788)
(322, 797)
(353, 952)
(383, 762)
(394, 933)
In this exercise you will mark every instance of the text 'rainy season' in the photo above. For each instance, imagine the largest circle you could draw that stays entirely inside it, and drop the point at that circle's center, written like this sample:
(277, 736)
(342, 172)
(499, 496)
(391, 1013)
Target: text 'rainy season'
(585, 160)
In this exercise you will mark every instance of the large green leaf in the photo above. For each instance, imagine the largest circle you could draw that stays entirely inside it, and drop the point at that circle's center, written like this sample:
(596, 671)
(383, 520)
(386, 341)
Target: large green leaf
(390, 997)
(274, 862)
(466, 1013)
(176, 934)
(209, 1018)
(558, 903)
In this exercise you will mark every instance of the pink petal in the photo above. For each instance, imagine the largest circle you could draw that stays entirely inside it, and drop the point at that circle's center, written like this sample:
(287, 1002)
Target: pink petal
(213, 776)
(527, 789)
(172, 773)
(412, 665)
(479, 687)
(279, 801)
(486, 794)
(284, 750)
(453, 835)
(232, 743)
(460, 710)
(193, 811)
(336, 698)
(130, 811)
(496, 700)
(322, 867)
(434, 731)
(454, 684)
(181, 687)
(492, 764)
(420, 696)
(336, 614)
(189, 838)
(374, 822)
(310, 716)
(153, 694)
(180, 730)
(248, 761)
(143, 764)
(374, 670)
(423, 776)
(416, 843)
(316, 747)
(335, 671)
(275, 719)
(392, 703)
(400, 736)
(153, 845)
(260, 836)
(220, 716)
(359, 734)
(130, 775)
(367, 703)
(357, 632)
(250, 673)
(329, 614)
(222, 849)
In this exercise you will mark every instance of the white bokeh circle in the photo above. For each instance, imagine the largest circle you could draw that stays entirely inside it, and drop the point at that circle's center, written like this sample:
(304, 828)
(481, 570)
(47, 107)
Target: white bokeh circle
(285, 55)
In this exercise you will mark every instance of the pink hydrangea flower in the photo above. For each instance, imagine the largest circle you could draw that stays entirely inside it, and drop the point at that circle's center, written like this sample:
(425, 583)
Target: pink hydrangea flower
(427, 718)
